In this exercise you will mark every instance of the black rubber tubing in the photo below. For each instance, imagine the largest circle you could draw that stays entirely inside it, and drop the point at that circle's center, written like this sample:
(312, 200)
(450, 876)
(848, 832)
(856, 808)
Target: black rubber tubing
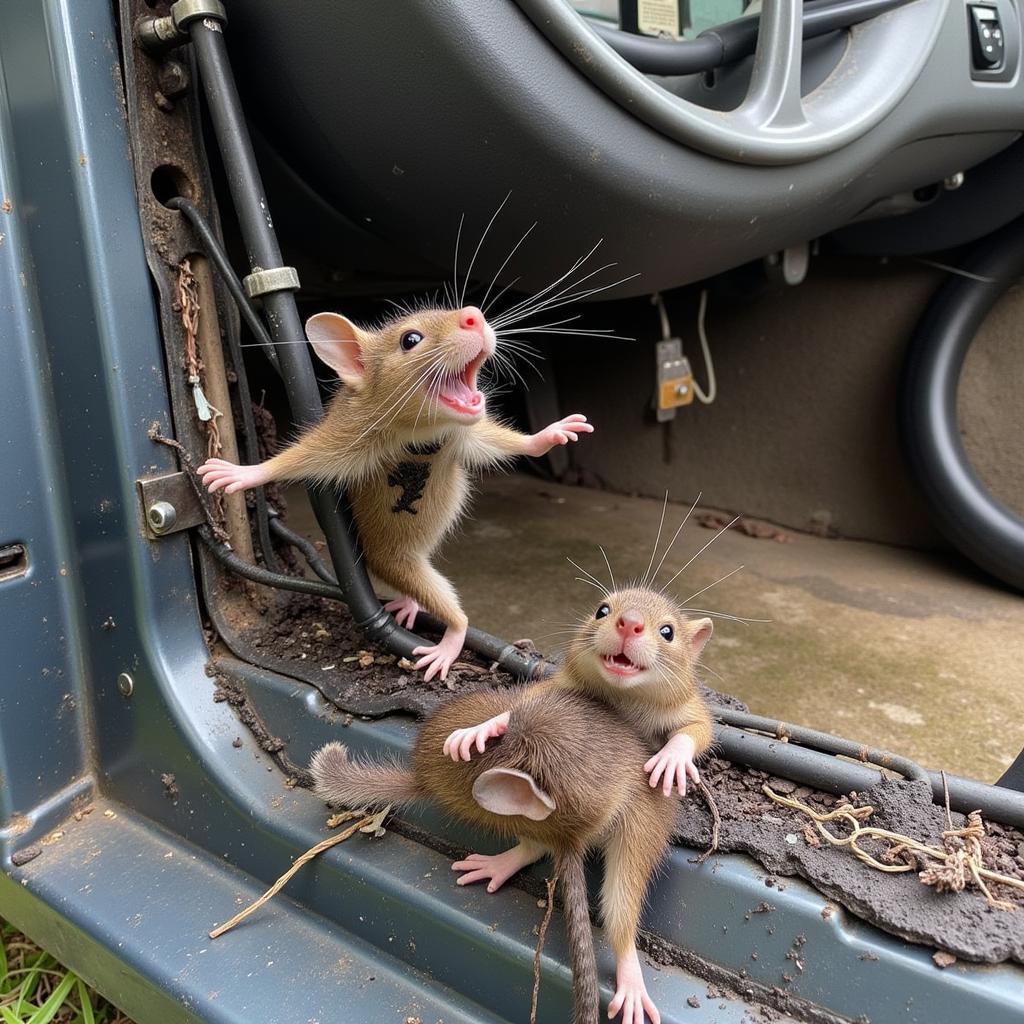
(731, 42)
(252, 208)
(483, 643)
(966, 512)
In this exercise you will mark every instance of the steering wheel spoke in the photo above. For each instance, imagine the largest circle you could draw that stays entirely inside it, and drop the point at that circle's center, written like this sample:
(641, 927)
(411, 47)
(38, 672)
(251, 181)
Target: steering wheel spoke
(773, 101)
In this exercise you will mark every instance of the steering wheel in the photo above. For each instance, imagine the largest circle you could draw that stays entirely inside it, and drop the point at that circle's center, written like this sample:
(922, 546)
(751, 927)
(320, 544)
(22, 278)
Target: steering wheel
(774, 123)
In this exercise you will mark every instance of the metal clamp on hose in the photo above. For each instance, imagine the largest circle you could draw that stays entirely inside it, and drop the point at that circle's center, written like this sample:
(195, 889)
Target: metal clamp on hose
(156, 34)
(277, 279)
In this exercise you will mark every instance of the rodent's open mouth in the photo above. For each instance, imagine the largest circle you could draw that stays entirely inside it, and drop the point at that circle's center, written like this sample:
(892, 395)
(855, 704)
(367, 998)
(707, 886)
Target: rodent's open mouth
(457, 388)
(620, 665)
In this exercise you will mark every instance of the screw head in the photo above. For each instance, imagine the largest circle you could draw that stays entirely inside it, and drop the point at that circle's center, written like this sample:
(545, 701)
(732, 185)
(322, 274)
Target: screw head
(173, 79)
(682, 390)
(161, 516)
(125, 684)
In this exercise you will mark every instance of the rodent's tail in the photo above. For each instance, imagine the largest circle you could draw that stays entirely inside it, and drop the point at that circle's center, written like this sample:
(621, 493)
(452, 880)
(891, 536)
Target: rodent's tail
(585, 991)
(338, 779)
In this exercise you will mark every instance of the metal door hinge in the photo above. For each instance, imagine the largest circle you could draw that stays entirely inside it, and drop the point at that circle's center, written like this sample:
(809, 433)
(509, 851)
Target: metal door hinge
(169, 504)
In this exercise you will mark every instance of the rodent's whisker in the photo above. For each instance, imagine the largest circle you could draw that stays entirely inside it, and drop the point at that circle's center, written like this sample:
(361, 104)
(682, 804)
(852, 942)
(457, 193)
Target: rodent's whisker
(609, 565)
(710, 585)
(497, 298)
(550, 304)
(723, 615)
(563, 297)
(484, 302)
(556, 323)
(527, 302)
(455, 274)
(428, 395)
(585, 572)
(675, 536)
(583, 333)
(502, 362)
(657, 541)
(701, 551)
(476, 251)
(428, 388)
(599, 586)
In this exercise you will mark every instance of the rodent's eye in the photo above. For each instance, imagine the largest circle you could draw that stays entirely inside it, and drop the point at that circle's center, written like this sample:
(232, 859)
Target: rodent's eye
(667, 632)
(602, 612)
(410, 340)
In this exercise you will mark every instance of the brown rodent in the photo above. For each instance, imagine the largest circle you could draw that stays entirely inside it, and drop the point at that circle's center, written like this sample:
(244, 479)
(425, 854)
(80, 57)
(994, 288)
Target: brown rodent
(564, 778)
(638, 652)
(401, 435)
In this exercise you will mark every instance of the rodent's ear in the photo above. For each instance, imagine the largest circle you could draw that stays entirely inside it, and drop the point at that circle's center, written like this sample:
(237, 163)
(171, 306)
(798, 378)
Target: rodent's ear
(508, 791)
(338, 342)
(700, 634)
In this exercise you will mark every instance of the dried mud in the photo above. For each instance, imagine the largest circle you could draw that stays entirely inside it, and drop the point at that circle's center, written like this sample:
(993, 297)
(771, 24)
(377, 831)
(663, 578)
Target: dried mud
(960, 923)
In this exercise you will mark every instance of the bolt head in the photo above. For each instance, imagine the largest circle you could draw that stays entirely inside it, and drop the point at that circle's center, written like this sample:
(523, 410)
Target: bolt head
(161, 516)
(173, 79)
(125, 684)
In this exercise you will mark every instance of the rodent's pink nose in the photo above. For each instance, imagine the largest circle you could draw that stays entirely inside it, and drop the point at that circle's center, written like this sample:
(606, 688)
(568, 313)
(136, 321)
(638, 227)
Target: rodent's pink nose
(630, 623)
(471, 319)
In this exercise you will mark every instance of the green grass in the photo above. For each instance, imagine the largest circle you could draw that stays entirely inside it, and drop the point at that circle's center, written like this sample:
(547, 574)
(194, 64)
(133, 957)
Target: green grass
(35, 989)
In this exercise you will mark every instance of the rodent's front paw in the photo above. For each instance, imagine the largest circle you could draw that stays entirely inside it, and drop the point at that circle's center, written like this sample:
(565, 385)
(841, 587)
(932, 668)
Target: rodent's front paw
(562, 431)
(218, 474)
(672, 764)
(631, 996)
(459, 745)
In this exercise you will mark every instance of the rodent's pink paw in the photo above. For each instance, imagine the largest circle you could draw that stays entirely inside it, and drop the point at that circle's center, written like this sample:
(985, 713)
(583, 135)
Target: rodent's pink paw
(453, 746)
(498, 869)
(460, 744)
(405, 610)
(438, 658)
(631, 995)
(559, 433)
(217, 474)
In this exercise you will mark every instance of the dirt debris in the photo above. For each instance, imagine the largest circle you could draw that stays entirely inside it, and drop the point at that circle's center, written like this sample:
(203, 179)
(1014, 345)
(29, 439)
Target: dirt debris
(22, 857)
(897, 903)
(315, 639)
(170, 784)
(756, 528)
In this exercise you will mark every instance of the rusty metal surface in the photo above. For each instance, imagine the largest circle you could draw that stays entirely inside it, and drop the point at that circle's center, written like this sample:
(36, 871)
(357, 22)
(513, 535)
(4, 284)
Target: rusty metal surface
(168, 157)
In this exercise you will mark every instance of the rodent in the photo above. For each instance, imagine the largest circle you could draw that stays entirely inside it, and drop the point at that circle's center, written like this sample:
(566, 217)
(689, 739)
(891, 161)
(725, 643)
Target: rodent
(401, 435)
(638, 651)
(564, 778)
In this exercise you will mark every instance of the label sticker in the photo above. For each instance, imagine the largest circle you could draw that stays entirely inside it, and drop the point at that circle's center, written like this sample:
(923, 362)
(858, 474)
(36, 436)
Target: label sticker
(658, 17)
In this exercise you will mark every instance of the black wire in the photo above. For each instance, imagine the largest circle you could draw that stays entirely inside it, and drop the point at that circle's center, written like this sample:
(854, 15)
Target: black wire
(308, 549)
(257, 574)
(216, 253)
(220, 258)
(532, 666)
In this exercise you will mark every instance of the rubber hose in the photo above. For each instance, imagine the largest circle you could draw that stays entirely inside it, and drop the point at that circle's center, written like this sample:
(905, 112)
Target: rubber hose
(966, 512)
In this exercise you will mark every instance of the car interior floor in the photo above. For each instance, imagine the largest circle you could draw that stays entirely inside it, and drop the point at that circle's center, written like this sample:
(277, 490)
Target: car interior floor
(876, 630)
(909, 651)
